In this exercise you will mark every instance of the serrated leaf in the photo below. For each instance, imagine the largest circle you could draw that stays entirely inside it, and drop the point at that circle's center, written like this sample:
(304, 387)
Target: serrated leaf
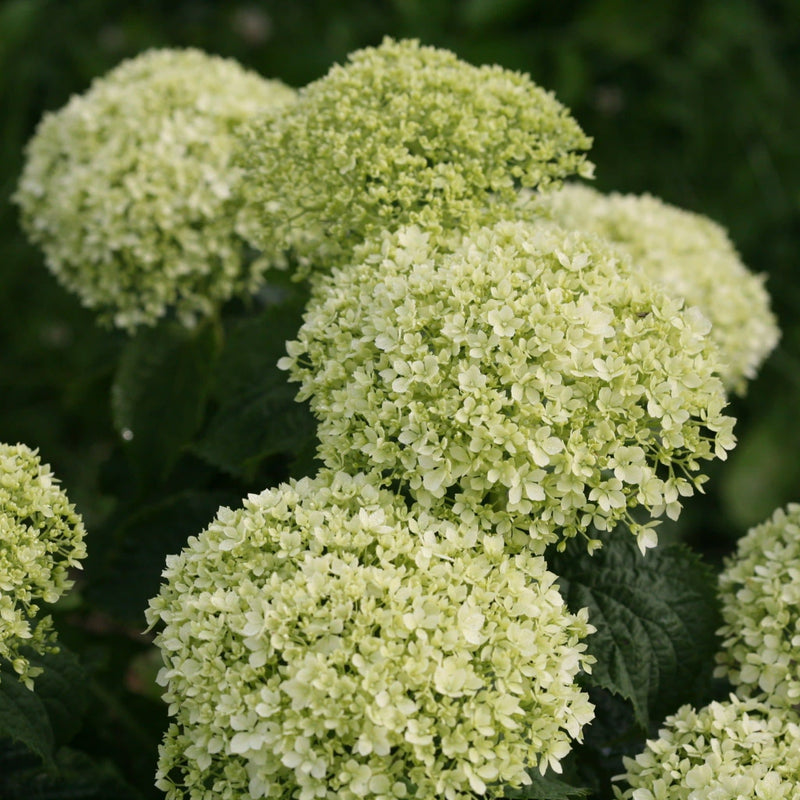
(545, 787)
(656, 617)
(160, 391)
(23, 716)
(257, 415)
(130, 573)
(49, 714)
(62, 689)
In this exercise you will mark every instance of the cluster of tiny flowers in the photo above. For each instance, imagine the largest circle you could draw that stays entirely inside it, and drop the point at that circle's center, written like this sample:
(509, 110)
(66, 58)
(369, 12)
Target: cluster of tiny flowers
(41, 537)
(728, 750)
(760, 593)
(402, 134)
(128, 189)
(323, 641)
(692, 257)
(525, 375)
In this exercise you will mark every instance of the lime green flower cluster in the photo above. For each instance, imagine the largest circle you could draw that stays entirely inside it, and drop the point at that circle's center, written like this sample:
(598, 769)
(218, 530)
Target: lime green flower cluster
(326, 641)
(525, 375)
(402, 134)
(41, 538)
(726, 751)
(128, 189)
(760, 592)
(693, 258)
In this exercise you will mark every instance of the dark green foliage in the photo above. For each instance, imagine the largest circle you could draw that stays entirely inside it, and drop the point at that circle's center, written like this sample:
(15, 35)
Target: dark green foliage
(159, 394)
(75, 776)
(256, 415)
(52, 714)
(656, 616)
(128, 572)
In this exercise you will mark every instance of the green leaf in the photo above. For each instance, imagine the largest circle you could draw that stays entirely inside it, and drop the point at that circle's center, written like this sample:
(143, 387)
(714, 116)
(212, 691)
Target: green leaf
(160, 391)
(23, 716)
(49, 714)
(257, 415)
(130, 571)
(545, 787)
(62, 689)
(656, 617)
(73, 776)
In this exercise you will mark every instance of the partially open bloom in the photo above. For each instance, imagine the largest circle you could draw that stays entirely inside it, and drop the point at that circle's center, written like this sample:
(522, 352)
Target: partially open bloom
(726, 751)
(526, 375)
(128, 188)
(760, 592)
(402, 134)
(693, 258)
(41, 538)
(323, 641)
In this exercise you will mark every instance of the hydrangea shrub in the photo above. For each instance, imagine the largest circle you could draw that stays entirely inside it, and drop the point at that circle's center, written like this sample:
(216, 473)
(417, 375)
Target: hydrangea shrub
(128, 188)
(326, 641)
(401, 134)
(760, 593)
(725, 751)
(488, 384)
(41, 539)
(523, 375)
(693, 258)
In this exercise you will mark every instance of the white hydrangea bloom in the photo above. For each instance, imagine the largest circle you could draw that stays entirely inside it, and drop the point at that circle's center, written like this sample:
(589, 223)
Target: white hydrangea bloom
(128, 189)
(732, 750)
(692, 257)
(323, 641)
(41, 538)
(402, 134)
(524, 375)
(760, 593)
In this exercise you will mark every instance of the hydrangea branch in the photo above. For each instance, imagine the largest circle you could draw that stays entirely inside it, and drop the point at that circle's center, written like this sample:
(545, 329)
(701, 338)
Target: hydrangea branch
(41, 539)
(526, 376)
(128, 188)
(402, 134)
(323, 640)
(693, 258)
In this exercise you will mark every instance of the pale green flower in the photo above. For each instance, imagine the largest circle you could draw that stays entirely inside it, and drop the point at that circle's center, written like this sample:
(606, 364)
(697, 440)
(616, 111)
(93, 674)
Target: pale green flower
(760, 592)
(41, 538)
(402, 134)
(526, 375)
(127, 189)
(732, 750)
(693, 258)
(325, 641)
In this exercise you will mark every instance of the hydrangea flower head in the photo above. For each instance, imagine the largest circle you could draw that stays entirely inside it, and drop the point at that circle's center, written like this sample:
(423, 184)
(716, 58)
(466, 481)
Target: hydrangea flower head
(128, 188)
(693, 258)
(41, 538)
(726, 751)
(401, 134)
(323, 641)
(760, 592)
(524, 375)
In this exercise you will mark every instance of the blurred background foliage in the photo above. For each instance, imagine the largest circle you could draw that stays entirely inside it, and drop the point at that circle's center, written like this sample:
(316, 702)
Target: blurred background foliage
(694, 101)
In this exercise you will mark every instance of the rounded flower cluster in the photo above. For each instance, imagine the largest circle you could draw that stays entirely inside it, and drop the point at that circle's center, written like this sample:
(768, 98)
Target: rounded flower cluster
(402, 134)
(322, 641)
(760, 592)
(128, 188)
(726, 751)
(41, 537)
(525, 375)
(692, 257)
